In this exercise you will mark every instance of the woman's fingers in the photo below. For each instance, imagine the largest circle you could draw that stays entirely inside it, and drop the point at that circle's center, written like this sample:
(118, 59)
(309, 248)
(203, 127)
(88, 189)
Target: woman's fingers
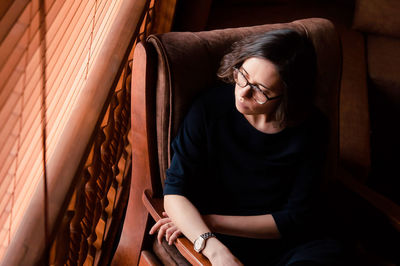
(172, 228)
(169, 231)
(161, 233)
(158, 224)
(153, 229)
(174, 237)
(166, 229)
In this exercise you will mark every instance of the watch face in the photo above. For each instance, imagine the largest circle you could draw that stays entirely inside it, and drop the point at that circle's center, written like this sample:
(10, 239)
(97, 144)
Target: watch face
(198, 244)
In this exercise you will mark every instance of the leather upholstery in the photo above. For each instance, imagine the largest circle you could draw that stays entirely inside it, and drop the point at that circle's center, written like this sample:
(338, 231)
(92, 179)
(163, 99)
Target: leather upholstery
(377, 17)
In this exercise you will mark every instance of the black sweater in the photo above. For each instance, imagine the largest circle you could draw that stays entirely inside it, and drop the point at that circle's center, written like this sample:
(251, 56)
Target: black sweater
(224, 165)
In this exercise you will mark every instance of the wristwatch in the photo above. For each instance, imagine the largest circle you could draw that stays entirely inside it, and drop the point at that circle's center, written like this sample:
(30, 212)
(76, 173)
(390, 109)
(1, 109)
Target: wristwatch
(200, 242)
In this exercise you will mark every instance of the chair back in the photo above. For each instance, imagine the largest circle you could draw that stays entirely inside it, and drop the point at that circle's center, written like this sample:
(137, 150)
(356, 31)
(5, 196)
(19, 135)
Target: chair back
(185, 64)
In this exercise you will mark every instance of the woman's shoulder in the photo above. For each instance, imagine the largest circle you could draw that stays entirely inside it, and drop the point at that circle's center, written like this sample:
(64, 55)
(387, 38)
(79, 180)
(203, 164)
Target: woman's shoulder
(313, 128)
(314, 119)
(316, 126)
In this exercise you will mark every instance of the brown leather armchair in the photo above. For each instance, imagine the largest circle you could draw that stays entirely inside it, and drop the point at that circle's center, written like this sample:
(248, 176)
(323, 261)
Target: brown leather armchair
(169, 71)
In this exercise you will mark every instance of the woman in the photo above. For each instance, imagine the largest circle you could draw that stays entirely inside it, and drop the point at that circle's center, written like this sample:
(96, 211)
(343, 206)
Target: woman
(246, 163)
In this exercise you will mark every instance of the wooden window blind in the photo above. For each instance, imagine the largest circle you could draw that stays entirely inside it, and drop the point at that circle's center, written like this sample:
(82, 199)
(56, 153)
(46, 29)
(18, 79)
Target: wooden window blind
(74, 34)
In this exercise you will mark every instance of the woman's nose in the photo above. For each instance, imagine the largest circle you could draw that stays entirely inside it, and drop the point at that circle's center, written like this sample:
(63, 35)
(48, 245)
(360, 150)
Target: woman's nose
(245, 91)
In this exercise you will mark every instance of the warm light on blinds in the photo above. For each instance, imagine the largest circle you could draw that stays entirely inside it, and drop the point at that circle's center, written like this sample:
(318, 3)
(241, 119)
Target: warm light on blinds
(75, 31)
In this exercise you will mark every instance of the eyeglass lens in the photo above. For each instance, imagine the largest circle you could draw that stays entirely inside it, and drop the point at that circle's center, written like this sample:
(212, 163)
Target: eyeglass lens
(242, 81)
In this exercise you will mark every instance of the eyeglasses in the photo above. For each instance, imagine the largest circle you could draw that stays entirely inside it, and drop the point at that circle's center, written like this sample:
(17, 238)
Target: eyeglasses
(258, 95)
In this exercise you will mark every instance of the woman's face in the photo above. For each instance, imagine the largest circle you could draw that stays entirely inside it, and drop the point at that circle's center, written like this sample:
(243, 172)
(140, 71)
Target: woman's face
(262, 73)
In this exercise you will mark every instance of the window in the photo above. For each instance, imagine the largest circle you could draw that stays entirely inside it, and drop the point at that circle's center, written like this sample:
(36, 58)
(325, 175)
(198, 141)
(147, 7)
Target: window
(51, 47)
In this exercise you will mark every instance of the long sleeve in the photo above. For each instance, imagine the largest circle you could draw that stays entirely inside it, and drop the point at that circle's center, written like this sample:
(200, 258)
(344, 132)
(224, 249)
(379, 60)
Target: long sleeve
(188, 150)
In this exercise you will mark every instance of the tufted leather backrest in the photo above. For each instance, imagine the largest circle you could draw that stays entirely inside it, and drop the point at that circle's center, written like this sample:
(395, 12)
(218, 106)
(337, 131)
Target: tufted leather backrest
(187, 64)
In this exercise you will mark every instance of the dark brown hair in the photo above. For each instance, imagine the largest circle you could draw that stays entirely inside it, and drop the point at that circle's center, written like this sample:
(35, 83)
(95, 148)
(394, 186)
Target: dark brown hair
(294, 57)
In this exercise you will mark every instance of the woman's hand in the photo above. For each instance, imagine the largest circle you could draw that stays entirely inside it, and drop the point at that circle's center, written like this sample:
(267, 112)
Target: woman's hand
(167, 228)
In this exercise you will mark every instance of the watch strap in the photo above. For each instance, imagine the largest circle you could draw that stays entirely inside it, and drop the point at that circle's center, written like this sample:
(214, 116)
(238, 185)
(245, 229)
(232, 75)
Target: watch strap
(207, 235)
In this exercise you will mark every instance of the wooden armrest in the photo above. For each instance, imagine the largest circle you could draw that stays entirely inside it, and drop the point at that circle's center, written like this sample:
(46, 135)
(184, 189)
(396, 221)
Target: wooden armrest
(387, 207)
(155, 207)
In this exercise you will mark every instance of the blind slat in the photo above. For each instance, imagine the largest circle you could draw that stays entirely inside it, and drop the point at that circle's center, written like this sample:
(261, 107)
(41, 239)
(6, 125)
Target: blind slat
(31, 45)
(4, 171)
(27, 162)
(28, 115)
(66, 106)
(34, 99)
(11, 16)
(5, 200)
(5, 5)
(34, 64)
(23, 32)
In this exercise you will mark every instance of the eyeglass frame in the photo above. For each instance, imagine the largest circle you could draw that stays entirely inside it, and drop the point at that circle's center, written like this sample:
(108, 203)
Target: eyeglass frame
(254, 87)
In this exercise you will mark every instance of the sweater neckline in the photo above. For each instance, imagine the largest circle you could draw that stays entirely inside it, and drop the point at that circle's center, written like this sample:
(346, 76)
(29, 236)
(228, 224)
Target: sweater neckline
(254, 130)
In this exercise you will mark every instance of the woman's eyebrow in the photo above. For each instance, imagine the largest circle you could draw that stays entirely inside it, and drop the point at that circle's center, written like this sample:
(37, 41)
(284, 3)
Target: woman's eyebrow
(266, 87)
